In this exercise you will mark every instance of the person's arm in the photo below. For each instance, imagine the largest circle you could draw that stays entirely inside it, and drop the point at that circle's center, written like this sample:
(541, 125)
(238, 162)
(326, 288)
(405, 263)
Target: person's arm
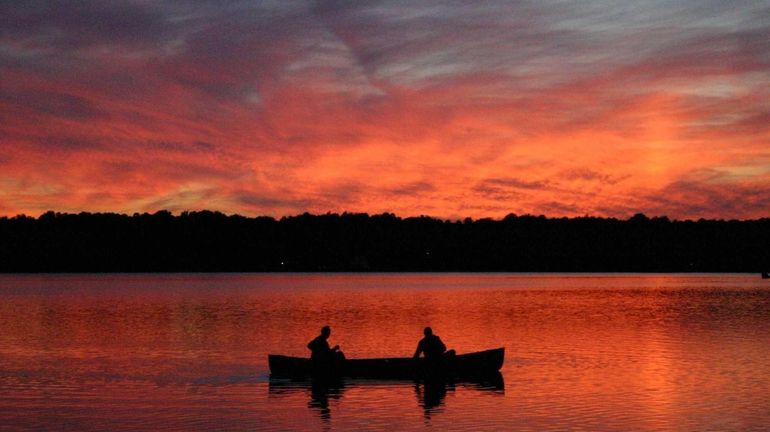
(441, 344)
(420, 349)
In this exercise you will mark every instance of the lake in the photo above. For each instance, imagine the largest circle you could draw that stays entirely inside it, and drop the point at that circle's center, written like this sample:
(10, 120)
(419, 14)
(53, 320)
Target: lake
(179, 352)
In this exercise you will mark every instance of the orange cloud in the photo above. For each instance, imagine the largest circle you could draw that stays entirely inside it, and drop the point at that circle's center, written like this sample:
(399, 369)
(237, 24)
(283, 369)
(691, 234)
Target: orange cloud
(280, 110)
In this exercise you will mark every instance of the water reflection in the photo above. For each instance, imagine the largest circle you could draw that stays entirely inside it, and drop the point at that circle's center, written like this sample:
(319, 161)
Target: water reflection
(430, 395)
(320, 393)
(188, 352)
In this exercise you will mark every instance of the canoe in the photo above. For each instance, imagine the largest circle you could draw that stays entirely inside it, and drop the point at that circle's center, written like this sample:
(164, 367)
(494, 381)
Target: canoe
(476, 364)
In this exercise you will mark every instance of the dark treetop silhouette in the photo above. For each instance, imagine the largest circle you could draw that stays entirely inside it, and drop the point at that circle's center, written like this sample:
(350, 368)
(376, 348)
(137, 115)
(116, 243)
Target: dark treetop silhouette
(210, 241)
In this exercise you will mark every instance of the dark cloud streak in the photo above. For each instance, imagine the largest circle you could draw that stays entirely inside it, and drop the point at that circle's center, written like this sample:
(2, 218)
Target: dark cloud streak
(83, 24)
(184, 96)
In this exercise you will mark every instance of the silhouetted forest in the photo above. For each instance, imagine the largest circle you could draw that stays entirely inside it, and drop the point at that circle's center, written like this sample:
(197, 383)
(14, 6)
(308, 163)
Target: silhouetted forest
(208, 241)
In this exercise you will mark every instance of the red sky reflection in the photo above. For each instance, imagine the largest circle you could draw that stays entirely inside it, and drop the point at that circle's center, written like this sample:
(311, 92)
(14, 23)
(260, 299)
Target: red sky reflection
(448, 110)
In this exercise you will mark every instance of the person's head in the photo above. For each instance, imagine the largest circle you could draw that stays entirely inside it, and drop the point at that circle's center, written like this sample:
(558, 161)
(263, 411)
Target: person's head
(326, 331)
(428, 331)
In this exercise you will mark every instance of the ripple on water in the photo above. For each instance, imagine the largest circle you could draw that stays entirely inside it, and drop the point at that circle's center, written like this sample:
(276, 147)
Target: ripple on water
(149, 352)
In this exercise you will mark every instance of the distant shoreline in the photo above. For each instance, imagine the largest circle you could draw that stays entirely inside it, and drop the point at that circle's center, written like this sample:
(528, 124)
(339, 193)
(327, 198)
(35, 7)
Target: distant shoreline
(211, 242)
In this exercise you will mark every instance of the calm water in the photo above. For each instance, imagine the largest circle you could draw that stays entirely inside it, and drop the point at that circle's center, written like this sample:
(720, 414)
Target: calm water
(189, 352)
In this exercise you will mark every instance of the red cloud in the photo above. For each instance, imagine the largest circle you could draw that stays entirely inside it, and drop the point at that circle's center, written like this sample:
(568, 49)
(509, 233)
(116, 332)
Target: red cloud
(345, 107)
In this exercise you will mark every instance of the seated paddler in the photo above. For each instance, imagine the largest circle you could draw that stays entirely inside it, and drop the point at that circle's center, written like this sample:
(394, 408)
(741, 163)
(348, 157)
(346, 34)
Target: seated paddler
(322, 356)
(431, 347)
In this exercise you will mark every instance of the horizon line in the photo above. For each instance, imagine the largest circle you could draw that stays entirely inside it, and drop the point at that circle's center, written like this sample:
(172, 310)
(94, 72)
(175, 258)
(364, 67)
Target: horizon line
(637, 215)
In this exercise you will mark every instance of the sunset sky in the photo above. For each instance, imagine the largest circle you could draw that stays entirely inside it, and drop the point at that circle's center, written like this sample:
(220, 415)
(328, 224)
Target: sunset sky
(449, 109)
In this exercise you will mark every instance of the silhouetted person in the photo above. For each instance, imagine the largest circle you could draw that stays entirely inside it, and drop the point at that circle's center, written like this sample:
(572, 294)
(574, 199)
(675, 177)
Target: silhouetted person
(431, 346)
(324, 359)
(437, 359)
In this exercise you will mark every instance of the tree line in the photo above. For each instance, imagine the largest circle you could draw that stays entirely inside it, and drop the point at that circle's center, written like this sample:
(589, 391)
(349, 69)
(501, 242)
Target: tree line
(206, 241)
